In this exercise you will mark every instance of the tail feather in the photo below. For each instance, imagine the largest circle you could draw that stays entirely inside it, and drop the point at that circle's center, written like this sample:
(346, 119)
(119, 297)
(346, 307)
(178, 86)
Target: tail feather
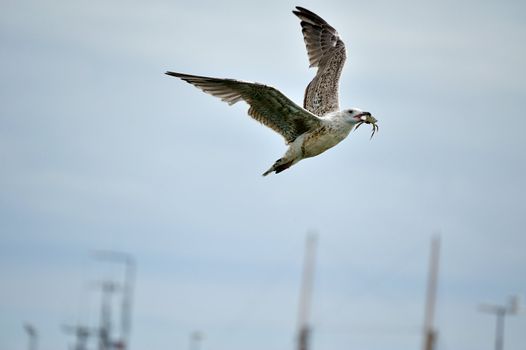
(278, 166)
(268, 171)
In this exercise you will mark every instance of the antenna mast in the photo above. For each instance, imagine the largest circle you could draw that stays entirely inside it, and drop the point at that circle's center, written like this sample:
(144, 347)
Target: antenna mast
(32, 335)
(127, 288)
(304, 328)
(430, 333)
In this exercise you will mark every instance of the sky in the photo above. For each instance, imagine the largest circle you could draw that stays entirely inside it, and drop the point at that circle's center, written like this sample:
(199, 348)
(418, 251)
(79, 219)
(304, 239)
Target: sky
(99, 150)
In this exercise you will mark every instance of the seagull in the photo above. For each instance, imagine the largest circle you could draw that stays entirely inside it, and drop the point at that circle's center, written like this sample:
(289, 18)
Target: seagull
(320, 124)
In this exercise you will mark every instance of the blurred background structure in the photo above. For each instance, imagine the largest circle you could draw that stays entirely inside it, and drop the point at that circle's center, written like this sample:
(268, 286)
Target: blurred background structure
(500, 311)
(105, 335)
(99, 149)
(430, 333)
(196, 338)
(304, 328)
(32, 336)
(126, 288)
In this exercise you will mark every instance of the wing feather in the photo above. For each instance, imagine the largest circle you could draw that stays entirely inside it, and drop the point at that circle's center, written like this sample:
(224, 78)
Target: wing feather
(267, 104)
(326, 51)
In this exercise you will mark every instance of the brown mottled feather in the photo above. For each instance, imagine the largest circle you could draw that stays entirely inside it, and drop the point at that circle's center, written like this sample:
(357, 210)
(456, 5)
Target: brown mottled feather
(267, 104)
(327, 52)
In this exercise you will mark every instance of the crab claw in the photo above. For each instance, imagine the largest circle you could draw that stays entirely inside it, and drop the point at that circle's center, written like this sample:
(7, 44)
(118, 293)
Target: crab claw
(358, 125)
(375, 129)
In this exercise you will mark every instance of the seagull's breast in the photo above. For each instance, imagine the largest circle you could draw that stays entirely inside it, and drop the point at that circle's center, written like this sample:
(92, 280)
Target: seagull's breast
(328, 135)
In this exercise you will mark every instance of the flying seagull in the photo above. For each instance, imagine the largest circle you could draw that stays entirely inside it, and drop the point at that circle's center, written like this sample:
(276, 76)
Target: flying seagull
(320, 124)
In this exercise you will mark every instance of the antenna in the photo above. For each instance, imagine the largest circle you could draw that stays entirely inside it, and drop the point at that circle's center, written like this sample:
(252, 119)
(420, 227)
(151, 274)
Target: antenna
(82, 333)
(105, 338)
(32, 335)
(304, 329)
(127, 288)
(430, 333)
(196, 338)
(500, 312)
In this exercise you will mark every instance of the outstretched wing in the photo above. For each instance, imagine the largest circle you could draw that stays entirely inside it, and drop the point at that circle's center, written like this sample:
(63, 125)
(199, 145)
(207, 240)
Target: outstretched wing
(267, 105)
(327, 52)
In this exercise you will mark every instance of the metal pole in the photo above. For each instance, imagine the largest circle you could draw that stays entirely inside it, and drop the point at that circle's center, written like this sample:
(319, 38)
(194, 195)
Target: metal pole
(32, 335)
(105, 336)
(306, 292)
(128, 299)
(500, 312)
(128, 288)
(82, 333)
(499, 331)
(195, 340)
(430, 333)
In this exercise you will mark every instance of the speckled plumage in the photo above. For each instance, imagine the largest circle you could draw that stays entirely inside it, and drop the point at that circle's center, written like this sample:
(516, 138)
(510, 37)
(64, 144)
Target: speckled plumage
(310, 130)
(326, 51)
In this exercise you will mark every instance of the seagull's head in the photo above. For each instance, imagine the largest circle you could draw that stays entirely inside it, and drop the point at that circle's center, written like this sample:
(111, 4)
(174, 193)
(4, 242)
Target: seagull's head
(358, 117)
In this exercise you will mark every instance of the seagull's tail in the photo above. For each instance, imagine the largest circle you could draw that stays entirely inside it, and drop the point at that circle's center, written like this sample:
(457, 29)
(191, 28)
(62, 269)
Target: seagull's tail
(280, 165)
(268, 171)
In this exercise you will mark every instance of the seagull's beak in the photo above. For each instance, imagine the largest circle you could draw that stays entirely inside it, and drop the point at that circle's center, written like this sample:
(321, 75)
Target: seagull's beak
(363, 116)
(367, 118)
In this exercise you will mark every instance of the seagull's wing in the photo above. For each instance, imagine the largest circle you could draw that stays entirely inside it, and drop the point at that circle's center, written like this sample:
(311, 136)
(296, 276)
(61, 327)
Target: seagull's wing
(267, 105)
(327, 52)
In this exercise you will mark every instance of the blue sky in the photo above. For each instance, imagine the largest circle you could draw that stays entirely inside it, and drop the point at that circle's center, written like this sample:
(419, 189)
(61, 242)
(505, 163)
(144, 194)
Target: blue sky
(100, 150)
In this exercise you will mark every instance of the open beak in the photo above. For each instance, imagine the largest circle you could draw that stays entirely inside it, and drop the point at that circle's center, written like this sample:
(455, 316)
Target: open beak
(363, 116)
(367, 118)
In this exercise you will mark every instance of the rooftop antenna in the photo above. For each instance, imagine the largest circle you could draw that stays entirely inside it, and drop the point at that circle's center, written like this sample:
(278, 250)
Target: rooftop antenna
(82, 333)
(304, 329)
(430, 333)
(196, 338)
(500, 311)
(106, 340)
(127, 288)
(32, 335)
